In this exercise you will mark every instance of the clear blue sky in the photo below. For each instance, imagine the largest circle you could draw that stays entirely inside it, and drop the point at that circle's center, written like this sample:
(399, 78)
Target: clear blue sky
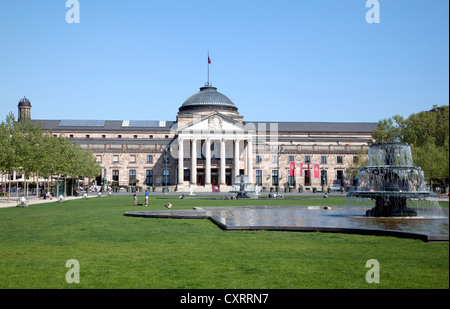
(283, 60)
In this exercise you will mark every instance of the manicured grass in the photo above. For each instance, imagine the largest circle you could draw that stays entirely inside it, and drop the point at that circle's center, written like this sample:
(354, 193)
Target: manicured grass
(116, 251)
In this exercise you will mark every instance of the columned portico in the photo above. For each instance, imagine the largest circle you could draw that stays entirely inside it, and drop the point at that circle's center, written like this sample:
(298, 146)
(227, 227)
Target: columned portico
(216, 168)
(210, 120)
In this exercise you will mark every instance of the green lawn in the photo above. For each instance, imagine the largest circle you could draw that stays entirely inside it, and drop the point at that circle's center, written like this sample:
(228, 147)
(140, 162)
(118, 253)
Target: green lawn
(116, 251)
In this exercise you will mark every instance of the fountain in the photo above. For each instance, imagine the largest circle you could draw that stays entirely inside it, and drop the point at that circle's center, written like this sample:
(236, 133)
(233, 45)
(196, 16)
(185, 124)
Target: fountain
(242, 182)
(391, 179)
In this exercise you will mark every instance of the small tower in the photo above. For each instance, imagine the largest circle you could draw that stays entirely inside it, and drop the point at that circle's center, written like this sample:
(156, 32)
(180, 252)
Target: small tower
(24, 109)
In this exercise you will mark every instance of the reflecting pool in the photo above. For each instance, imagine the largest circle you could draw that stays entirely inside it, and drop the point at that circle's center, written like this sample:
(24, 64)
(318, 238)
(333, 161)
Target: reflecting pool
(314, 216)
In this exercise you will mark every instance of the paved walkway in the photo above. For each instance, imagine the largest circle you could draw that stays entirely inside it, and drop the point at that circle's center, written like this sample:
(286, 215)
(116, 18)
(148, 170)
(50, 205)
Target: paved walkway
(32, 200)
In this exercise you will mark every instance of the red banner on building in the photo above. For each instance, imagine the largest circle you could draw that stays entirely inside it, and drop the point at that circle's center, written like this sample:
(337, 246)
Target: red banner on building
(316, 171)
(301, 169)
(291, 168)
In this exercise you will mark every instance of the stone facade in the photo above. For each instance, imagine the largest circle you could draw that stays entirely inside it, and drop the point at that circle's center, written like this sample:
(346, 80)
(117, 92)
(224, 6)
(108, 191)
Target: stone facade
(209, 128)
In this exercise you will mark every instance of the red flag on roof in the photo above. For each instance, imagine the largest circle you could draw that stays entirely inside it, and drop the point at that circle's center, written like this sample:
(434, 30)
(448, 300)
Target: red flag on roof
(209, 60)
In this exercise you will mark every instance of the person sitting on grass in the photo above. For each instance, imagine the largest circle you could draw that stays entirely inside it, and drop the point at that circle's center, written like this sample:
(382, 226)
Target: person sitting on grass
(168, 206)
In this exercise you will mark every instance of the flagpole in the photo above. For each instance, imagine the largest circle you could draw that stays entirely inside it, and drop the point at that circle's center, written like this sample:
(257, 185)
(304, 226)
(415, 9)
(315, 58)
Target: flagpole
(208, 67)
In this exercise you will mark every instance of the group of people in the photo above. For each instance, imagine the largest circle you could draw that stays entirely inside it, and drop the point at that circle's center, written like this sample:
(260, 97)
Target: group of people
(135, 195)
(147, 193)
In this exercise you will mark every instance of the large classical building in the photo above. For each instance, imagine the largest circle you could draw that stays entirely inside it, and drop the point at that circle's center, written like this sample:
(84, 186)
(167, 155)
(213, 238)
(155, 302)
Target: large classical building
(209, 144)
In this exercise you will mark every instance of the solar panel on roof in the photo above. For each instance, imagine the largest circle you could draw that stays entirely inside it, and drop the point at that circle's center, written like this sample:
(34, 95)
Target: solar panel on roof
(144, 123)
(81, 123)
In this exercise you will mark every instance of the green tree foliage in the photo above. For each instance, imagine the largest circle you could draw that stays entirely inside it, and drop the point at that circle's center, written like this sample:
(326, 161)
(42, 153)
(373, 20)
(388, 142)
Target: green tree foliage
(30, 136)
(428, 134)
(25, 148)
(359, 161)
(8, 158)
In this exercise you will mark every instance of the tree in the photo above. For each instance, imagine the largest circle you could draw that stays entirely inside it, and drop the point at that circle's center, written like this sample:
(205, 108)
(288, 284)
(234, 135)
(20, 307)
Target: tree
(10, 139)
(26, 149)
(427, 133)
(65, 158)
(359, 161)
(82, 162)
(390, 130)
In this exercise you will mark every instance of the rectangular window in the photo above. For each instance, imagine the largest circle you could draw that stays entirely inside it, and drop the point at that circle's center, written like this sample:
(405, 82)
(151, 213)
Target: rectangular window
(99, 158)
(274, 159)
(132, 159)
(259, 177)
(274, 177)
(291, 158)
(115, 175)
(323, 159)
(166, 177)
(291, 179)
(323, 177)
(258, 159)
(307, 159)
(307, 177)
(149, 177)
(187, 175)
(115, 159)
(166, 159)
(340, 177)
(339, 160)
(149, 158)
(132, 177)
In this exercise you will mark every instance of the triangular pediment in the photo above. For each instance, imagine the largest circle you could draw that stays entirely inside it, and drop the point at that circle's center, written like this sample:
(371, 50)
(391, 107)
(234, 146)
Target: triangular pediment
(214, 123)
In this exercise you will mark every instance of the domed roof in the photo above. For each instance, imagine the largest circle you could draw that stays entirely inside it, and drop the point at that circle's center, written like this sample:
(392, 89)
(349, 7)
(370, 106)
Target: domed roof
(24, 102)
(208, 98)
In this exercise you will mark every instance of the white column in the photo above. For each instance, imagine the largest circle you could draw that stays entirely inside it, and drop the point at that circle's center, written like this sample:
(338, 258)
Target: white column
(250, 160)
(193, 162)
(208, 162)
(236, 159)
(180, 162)
(222, 162)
